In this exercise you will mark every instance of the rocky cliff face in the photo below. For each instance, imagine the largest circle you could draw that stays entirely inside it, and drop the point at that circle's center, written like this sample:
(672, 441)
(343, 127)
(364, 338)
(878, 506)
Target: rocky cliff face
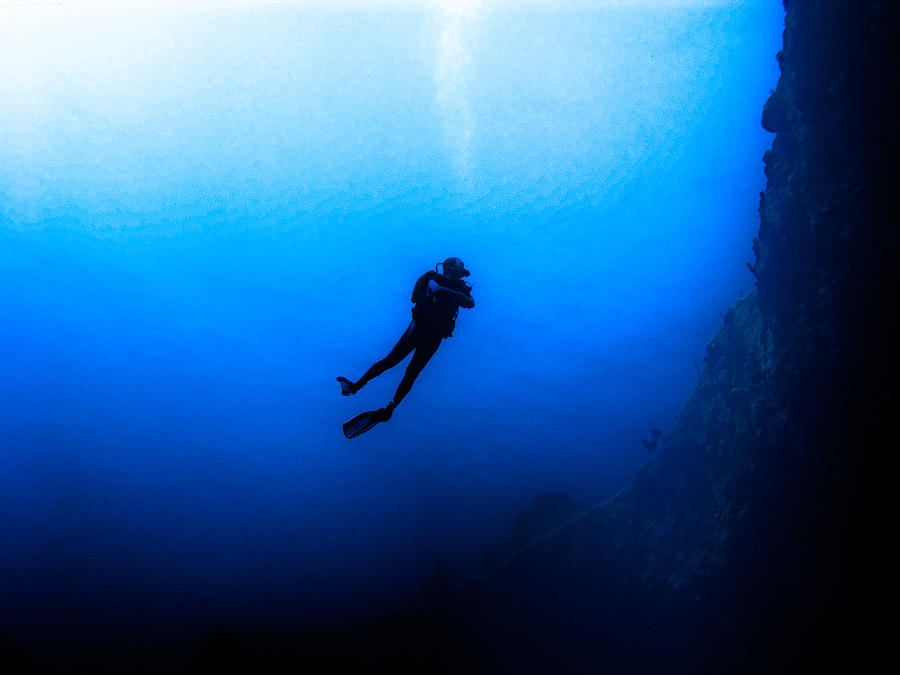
(754, 540)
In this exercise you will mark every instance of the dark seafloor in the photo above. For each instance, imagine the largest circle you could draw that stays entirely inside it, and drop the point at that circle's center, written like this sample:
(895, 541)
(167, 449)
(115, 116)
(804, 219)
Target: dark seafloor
(757, 538)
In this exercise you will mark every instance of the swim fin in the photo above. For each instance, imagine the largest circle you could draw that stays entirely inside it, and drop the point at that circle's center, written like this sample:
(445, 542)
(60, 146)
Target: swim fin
(348, 388)
(365, 421)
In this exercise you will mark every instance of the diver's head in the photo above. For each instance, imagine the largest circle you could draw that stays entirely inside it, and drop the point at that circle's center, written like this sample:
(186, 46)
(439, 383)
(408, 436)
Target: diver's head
(453, 268)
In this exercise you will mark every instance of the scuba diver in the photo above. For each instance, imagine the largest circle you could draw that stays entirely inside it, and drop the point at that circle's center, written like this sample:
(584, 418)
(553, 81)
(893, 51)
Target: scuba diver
(437, 297)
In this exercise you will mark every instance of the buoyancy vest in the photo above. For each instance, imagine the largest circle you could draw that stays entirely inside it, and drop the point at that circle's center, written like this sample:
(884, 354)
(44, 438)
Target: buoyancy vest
(437, 311)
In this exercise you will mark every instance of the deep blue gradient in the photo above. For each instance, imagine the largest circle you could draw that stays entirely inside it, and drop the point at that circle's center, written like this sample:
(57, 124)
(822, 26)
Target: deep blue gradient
(206, 216)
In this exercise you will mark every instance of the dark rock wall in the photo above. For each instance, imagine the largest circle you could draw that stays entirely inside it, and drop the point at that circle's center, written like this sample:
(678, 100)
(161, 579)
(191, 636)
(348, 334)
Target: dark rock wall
(756, 540)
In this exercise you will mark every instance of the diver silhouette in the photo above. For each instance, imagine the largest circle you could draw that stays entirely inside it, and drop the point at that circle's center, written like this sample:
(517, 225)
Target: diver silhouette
(437, 297)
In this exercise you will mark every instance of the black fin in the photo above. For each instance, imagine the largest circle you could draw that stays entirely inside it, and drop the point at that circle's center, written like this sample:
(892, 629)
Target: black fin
(347, 387)
(364, 421)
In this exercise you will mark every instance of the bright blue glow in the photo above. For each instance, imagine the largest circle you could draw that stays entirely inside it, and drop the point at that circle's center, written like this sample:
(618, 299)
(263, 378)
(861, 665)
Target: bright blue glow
(207, 215)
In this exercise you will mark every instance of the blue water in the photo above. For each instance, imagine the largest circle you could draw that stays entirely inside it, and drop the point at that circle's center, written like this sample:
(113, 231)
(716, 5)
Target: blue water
(207, 215)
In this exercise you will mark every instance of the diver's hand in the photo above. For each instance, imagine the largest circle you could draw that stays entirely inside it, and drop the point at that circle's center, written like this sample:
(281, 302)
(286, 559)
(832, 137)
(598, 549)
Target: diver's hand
(463, 299)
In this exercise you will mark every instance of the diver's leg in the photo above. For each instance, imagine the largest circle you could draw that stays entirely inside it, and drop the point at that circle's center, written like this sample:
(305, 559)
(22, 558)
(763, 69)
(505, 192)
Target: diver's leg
(400, 351)
(425, 349)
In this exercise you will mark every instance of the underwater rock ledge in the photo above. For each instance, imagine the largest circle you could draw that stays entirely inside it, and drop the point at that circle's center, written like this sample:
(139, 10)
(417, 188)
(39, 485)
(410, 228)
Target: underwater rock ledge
(755, 541)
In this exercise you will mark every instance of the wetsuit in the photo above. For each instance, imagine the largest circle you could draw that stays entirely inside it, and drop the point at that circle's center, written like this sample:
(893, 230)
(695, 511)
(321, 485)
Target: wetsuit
(437, 301)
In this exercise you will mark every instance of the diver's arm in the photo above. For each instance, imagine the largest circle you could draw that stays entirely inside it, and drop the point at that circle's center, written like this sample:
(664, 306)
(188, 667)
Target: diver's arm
(463, 299)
